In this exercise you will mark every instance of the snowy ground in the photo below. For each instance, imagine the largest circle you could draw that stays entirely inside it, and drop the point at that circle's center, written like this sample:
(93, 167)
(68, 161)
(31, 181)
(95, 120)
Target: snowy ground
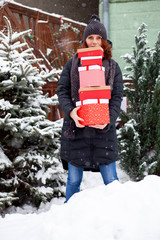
(122, 210)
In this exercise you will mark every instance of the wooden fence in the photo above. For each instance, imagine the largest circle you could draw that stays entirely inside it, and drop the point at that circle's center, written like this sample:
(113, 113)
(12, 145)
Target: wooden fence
(54, 38)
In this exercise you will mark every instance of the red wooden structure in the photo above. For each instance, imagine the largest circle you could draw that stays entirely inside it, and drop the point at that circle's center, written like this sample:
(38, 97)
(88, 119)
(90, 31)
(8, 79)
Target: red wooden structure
(54, 38)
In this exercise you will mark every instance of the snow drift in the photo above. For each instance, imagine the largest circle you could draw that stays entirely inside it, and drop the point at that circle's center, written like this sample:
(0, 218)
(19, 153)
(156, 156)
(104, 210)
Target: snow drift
(129, 211)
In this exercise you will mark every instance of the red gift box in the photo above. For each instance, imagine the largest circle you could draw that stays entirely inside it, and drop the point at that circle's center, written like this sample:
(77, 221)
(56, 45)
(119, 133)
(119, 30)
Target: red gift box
(93, 60)
(94, 101)
(91, 76)
(95, 93)
(93, 51)
(94, 114)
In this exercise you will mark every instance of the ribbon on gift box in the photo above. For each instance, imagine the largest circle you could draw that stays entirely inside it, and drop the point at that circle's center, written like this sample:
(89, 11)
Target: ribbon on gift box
(91, 58)
(91, 67)
(91, 101)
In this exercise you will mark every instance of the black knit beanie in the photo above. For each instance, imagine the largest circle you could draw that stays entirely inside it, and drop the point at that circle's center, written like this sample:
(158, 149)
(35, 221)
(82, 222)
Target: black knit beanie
(95, 27)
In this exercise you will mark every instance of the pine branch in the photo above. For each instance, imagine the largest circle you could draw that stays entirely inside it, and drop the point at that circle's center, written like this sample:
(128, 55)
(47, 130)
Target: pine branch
(9, 28)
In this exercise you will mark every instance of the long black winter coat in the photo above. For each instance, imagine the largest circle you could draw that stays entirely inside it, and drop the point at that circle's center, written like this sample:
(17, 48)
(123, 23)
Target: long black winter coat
(88, 147)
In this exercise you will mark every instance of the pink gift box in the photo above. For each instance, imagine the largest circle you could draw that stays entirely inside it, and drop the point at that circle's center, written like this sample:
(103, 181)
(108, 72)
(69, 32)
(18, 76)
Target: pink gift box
(91, 76)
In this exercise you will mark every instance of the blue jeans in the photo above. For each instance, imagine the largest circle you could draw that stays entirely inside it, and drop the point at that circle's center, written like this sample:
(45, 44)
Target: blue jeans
(75, 174)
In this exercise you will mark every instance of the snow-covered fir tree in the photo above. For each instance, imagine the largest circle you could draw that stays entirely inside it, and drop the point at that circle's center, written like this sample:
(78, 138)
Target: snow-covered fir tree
(30, 171)
(140, 136)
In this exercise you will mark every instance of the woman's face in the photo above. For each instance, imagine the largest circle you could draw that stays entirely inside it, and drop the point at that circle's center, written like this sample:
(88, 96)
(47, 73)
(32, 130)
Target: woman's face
(94, 40)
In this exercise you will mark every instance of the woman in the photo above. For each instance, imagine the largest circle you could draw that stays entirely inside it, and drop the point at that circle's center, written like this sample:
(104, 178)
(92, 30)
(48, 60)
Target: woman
(90, 147)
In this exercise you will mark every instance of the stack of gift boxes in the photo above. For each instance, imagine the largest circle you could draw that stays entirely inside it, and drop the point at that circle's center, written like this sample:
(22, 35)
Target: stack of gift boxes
(94, 95)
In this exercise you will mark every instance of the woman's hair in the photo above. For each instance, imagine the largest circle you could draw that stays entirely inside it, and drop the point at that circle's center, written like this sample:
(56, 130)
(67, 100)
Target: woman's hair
(106, 47)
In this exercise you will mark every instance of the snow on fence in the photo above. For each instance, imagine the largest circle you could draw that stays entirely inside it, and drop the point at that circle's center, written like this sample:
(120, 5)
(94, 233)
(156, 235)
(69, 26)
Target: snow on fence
(54, 38)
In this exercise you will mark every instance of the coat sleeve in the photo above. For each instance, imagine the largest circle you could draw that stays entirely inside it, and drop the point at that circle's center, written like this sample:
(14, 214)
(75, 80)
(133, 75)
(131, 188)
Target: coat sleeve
(116, 96)
(64, 89)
